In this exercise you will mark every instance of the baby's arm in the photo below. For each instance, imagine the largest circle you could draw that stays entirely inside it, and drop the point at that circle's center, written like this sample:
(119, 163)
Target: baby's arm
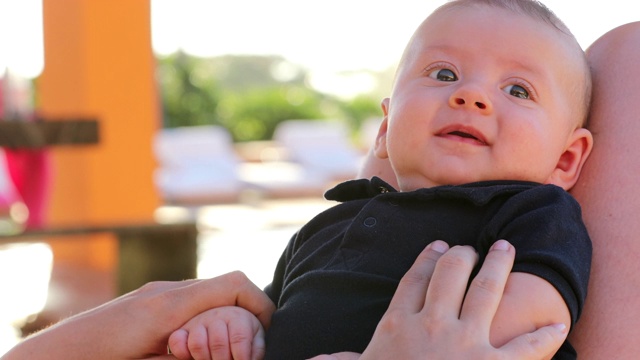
(528, 303)
(228, 332)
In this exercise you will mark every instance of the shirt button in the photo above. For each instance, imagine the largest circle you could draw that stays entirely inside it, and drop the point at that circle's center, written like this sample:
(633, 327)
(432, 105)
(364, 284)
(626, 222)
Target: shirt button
(370, 222)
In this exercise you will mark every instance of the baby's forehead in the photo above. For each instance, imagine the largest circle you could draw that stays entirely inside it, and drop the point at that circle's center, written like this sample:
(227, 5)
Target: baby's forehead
(455, 26)
(453, 10)
(534, 10)
(563, 58)
(507, 22)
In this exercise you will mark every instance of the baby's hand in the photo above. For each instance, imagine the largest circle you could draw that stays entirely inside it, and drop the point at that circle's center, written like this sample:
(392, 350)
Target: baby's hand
(223, 333)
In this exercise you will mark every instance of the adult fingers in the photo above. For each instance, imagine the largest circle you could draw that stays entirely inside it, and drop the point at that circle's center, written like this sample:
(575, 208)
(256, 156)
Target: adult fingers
(486, 289)
(412, 288)
(542, 341)
(232, 288)
(449, 282)
(158, 287)
(338, 356)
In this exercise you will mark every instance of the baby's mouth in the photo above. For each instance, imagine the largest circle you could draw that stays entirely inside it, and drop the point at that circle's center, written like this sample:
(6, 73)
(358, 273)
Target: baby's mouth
(466, 136)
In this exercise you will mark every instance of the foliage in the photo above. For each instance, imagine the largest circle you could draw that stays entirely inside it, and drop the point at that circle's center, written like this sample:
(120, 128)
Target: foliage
(187, 99)
(249, 95)
(255, 113)
(360, 108)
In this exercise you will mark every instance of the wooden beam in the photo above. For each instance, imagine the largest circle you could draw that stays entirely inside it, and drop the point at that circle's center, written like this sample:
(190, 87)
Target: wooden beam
(39, 134)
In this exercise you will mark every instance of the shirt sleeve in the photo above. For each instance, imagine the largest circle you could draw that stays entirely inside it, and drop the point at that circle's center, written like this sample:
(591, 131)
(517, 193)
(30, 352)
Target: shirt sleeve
(274, 289)
(545, 226)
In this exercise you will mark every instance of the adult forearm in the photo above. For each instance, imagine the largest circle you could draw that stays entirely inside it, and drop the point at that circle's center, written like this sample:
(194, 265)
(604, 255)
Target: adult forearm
(137, 325)
(65, 340)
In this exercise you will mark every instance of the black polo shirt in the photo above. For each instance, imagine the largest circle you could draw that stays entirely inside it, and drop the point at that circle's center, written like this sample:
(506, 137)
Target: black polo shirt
(338, 274)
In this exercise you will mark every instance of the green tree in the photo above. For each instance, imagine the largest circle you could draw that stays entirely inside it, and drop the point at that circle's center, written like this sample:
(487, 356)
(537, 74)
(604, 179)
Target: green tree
(189, 94)
(359, 109)
(255, 113)
(249, 95)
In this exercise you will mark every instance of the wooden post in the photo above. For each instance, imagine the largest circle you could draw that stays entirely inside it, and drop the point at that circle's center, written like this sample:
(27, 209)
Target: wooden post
(99, 64)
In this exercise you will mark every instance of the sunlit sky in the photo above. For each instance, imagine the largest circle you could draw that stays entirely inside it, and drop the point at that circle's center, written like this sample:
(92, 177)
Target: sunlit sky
(323, 36)
(333, 34)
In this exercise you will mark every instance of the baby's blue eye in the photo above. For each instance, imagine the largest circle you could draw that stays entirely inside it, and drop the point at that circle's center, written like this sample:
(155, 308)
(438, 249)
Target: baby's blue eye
(443, 75)
(518, 91)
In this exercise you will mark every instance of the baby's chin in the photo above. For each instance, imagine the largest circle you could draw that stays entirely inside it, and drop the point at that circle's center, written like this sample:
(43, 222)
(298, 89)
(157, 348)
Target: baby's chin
(415, 183)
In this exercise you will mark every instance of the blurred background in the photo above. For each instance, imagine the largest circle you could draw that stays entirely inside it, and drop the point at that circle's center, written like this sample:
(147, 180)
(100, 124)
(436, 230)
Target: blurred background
(233, 116)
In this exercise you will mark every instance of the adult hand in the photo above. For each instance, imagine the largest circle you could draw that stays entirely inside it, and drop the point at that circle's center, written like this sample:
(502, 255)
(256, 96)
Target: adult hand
(137, 325)
(430, 317)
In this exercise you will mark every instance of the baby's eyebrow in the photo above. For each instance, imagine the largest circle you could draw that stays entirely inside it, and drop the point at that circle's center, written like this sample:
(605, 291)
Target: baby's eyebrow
(443, 49)
(442, 52)
(536, 73)
(532, 67)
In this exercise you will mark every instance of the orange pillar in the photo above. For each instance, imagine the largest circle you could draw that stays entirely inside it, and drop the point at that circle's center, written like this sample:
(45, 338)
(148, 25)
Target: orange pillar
(99, 63)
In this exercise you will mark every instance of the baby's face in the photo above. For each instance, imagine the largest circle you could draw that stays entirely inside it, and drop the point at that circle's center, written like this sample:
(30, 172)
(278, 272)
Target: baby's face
(482, 94)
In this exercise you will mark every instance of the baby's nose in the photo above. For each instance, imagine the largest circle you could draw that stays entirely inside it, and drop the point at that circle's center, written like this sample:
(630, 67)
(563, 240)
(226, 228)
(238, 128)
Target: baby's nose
(471, 97)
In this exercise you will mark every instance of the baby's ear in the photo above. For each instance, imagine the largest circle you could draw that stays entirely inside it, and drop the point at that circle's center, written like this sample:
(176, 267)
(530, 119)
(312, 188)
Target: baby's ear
(380, 147)
(571, 161)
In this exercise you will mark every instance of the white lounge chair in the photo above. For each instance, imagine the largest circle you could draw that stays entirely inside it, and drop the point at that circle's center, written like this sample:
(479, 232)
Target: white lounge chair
(196, 165)
(322, 147)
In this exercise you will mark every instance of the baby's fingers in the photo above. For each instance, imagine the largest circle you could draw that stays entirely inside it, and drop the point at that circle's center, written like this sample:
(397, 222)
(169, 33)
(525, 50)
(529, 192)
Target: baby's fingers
(259, 346)
(246, 338)
(178, 344)
(219, 342)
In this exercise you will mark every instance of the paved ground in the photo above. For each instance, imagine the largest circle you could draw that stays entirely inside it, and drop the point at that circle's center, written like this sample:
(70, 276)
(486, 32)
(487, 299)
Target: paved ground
(251, 238)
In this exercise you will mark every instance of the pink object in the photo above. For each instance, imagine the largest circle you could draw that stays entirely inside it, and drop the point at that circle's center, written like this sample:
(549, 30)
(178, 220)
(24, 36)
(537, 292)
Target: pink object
(30, 172)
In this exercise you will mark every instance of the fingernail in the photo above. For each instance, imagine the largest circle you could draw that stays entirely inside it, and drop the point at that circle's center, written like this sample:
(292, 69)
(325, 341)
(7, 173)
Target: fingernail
(439, 246)
(500, 245)
(562, 327)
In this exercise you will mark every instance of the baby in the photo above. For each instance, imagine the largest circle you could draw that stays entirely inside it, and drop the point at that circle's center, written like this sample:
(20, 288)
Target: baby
(484, 131)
